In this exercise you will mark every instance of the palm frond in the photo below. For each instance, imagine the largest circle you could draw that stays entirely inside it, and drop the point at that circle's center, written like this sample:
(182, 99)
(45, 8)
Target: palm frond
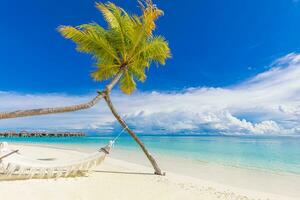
(145, 29)
(150, 14)
(127, 83)
(138, 69)
(155, 49)
(121, 23)
(111, 13)
(105, 72)
(90, 39)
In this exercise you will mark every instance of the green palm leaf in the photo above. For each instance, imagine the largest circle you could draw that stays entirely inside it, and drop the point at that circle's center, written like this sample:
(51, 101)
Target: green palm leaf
(127, 84)
(90, 41)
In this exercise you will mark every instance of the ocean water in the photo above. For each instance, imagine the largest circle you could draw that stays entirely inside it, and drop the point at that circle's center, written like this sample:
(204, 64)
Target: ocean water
(277, 154)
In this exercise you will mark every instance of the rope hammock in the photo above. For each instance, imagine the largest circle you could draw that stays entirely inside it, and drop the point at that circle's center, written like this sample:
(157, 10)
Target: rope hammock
(15, 166)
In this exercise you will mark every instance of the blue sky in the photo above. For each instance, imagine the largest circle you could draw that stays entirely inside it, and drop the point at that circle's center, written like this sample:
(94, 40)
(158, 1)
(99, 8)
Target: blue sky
(235, 68)
(214, 43)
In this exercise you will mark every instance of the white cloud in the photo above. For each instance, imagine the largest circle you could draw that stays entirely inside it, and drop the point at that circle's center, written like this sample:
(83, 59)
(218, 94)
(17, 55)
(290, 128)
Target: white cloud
(265, 104)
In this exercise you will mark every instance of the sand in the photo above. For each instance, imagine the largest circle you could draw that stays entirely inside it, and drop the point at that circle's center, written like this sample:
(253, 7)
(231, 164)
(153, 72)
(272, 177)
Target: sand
(117, 179)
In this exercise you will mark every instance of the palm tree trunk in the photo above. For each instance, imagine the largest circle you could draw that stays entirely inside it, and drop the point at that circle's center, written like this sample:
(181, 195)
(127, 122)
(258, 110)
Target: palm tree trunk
(133, 135)
(46, 111)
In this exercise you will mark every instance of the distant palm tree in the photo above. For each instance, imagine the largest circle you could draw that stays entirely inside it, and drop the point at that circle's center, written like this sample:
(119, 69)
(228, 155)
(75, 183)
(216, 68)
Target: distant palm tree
(122, 51)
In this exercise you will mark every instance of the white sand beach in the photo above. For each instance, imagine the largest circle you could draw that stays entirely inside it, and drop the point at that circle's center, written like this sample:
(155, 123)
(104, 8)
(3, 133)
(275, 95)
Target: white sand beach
(118, 179)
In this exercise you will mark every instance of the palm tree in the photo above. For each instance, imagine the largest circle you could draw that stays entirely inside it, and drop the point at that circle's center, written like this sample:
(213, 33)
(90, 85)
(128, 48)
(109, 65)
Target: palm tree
(123, 52)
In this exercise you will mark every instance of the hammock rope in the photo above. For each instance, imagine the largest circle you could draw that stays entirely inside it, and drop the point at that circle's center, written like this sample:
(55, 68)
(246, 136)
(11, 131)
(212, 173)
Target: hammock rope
(118, 136)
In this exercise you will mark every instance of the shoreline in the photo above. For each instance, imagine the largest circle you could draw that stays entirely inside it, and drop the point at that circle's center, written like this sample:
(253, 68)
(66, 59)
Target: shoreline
(220, 179)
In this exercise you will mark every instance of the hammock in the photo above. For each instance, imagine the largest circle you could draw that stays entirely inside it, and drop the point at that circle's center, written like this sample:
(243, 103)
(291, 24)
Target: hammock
(15, 166)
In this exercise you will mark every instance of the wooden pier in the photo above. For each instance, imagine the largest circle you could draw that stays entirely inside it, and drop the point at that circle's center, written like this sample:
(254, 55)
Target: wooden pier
(40, 134)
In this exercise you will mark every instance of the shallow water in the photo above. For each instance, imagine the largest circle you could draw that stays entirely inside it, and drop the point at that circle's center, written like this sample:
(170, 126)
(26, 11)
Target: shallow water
(279, 154)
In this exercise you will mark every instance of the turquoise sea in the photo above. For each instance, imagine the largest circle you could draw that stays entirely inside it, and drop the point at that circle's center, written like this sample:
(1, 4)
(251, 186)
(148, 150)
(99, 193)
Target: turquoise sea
(278, 154)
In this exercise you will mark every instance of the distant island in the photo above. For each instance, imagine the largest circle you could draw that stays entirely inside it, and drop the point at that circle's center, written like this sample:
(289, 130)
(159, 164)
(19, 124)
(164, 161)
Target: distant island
(41, 134)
